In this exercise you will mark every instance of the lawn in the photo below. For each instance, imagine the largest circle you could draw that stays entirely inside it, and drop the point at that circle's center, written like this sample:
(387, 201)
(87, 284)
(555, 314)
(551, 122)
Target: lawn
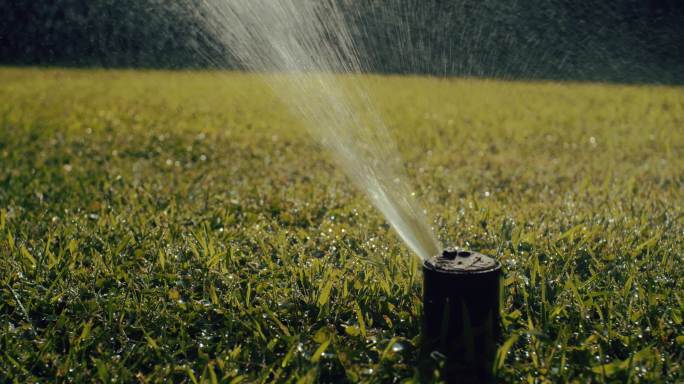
(182, 226)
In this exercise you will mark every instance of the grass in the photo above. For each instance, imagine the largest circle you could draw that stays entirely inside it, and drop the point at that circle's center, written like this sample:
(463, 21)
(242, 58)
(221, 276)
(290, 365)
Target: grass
(182, 226)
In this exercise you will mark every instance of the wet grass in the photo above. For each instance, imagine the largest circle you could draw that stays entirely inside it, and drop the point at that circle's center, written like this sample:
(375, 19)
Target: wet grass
(181, 226)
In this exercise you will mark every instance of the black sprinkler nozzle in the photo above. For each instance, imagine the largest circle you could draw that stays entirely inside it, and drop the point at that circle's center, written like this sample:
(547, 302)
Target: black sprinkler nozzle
(461, 320)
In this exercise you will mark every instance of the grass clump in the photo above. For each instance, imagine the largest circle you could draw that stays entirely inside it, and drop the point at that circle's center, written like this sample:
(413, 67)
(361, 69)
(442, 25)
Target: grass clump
(182, 226)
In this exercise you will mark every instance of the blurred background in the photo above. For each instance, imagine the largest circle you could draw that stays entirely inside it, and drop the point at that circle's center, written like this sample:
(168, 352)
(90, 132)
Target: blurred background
(632, 41)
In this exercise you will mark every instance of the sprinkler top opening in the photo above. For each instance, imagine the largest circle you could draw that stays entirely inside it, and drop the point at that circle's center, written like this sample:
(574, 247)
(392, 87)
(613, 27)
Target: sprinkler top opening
(460, 261)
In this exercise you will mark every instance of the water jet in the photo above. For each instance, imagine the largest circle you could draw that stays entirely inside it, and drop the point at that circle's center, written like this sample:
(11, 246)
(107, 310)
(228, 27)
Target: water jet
(461, 291)
(311, 48)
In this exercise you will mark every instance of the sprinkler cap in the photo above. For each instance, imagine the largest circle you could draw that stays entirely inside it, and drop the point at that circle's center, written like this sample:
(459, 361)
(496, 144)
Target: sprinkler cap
(461, 261)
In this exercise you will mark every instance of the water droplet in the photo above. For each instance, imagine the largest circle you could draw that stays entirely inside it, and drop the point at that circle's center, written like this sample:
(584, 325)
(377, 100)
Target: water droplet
(367, 371)
(398, 347)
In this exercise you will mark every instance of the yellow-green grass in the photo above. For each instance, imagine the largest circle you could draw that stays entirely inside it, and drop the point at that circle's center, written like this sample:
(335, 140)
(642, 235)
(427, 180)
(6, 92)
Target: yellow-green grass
(183, 225)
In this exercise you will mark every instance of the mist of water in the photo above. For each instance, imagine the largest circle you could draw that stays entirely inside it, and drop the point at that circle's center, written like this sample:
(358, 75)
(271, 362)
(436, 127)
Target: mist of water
(308, 44)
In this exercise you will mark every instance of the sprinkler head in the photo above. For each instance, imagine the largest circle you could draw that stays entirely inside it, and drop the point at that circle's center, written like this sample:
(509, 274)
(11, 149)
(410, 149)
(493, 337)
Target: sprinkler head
(461, 314)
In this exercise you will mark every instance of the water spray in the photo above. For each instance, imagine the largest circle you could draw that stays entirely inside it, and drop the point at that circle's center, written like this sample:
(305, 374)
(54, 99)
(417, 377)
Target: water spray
(306, 42)
(461, 313)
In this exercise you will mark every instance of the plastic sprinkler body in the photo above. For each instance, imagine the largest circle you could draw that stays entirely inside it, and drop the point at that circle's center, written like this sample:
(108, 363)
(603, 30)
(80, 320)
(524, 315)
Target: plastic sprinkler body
(461, 320)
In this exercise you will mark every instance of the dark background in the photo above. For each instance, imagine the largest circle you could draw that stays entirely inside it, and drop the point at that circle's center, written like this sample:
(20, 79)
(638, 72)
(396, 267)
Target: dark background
(634, 41)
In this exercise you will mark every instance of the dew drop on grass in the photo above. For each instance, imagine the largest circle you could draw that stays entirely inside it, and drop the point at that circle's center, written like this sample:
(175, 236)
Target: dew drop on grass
(398, 347)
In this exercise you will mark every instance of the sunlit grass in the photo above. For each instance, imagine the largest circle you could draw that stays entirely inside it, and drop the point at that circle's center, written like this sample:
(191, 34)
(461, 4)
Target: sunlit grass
(182, 225)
